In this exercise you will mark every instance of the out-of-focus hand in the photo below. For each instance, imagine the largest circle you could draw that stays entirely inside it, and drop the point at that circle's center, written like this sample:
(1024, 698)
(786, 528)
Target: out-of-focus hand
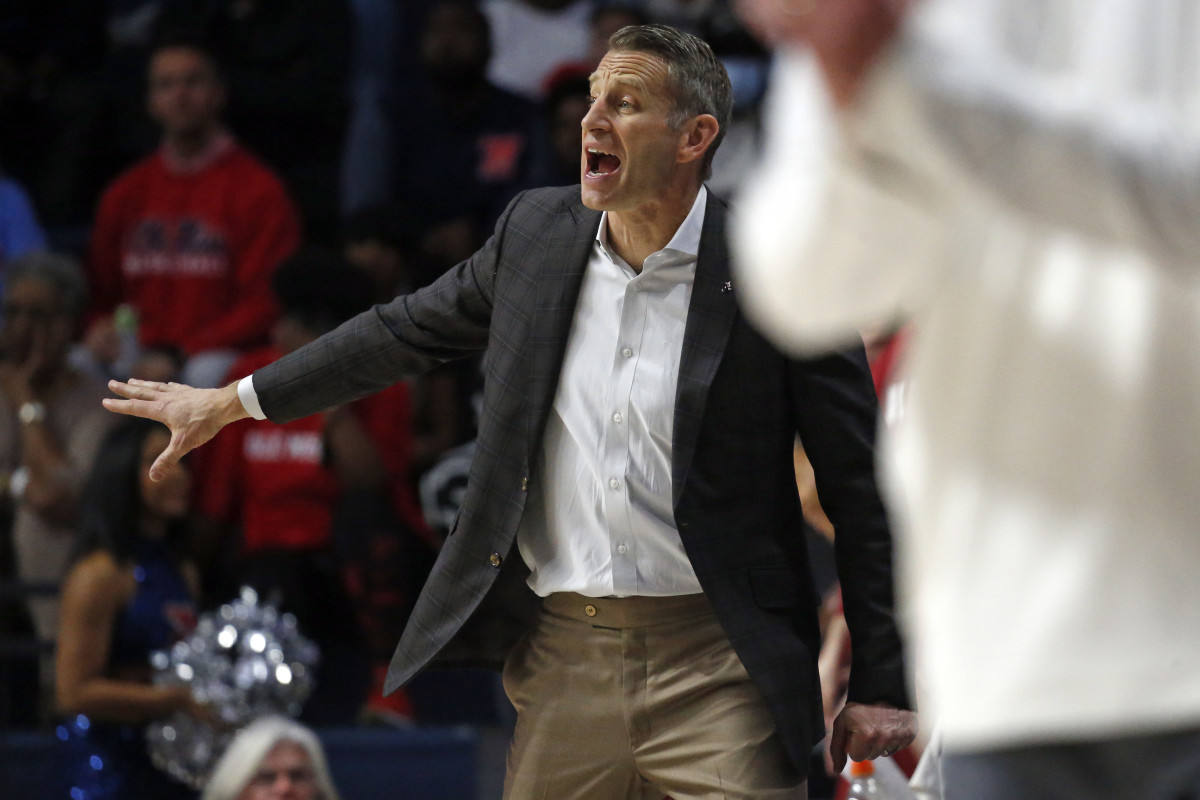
(864, 732)
(193, 415)
(847, 36)
(186, 702)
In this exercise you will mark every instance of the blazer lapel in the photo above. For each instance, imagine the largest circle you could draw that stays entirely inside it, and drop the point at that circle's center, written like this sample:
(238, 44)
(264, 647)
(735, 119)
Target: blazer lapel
(568, 247)
(710, 319)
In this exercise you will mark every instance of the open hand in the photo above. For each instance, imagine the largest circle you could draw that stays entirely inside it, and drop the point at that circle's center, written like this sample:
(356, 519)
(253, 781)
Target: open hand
(193, 415)
(847, 36)
(865, 732)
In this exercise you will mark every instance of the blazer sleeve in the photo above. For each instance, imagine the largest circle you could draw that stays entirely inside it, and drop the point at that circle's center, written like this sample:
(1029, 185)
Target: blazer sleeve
(836, 412)
(446, 320)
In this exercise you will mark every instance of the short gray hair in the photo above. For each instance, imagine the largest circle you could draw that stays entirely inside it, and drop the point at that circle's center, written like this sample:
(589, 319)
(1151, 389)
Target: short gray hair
(246, 752)
(60, 272)
(701, 84)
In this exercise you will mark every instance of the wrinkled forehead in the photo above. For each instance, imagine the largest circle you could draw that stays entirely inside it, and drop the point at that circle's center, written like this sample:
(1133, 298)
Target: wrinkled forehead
(644, 72)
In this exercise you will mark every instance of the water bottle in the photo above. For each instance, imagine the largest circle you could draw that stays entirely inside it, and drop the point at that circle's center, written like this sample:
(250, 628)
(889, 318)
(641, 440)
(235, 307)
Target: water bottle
(863, 783)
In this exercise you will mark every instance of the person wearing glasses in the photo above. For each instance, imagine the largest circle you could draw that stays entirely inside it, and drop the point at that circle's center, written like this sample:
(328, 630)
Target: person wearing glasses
(50, 428)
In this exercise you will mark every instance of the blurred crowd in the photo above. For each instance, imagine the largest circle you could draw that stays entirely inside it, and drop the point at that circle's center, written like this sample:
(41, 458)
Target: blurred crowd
(190, 189)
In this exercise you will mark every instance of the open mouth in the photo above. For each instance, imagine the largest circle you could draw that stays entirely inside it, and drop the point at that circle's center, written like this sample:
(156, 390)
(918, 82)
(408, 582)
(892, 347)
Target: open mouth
(601, 163)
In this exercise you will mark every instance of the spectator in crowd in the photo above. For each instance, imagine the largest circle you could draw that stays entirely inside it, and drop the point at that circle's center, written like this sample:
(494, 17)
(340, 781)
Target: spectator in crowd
(287, 64)
(1019, 178)
(605, 21)
(49, 429)
(692, 16)
(532, 38)
(562, 111)
(129, 592)
(189, 237)
(20, 232)
(272, 758)
(27, 29)
(377, 27)
(384, 243)
(461, 146)
(285, 487)
(52, 95)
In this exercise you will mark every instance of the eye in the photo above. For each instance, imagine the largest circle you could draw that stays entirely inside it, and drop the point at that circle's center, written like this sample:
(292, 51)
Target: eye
(625, 104)
(591, 99)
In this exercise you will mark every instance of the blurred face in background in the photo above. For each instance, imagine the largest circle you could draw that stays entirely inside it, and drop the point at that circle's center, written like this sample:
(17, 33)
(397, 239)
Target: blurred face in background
(455, 44)
(605, 23)
(565, 118)
(385, 265)
(36, 324)
(169, 498)
(285, 774)
(185, 94)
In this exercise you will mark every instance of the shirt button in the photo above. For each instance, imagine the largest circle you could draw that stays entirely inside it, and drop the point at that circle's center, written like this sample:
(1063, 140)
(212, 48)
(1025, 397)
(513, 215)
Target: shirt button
(495, 559)
(622, 549)
(627, 351)
(613, 483)
(617, 417)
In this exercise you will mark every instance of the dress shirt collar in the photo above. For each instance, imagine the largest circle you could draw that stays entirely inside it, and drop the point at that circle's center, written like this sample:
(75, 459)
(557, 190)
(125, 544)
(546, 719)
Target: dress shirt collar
(686, 240)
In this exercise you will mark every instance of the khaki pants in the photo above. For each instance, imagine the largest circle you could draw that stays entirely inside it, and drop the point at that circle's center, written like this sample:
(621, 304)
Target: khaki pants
(635, 699)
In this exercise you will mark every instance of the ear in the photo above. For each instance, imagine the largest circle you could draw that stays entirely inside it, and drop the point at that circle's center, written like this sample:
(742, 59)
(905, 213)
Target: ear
(696, 137)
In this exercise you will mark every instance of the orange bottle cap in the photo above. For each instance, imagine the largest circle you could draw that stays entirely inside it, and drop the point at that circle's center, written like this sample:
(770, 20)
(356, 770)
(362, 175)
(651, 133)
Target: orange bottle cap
(862, 769)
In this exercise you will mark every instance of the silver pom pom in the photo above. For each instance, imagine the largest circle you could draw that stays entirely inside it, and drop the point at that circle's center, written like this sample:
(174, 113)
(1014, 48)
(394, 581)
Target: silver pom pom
(244, 661)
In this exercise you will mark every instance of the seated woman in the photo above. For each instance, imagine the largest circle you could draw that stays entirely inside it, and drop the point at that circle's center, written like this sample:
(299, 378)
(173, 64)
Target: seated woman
(272, 757)
(127, 594)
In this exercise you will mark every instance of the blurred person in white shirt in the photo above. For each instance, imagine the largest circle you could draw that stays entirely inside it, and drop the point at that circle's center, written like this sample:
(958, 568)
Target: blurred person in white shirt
(1019, 179)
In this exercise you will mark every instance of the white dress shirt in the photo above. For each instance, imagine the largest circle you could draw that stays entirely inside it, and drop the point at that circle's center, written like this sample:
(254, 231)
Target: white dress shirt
(1020, 180)
(599, 519)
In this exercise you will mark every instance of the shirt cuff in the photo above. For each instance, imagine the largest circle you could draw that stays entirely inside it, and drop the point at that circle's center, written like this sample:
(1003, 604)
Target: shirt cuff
(249, 397)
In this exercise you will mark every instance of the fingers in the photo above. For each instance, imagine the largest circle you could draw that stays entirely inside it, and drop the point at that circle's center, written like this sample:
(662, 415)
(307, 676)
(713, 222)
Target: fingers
(864, 732)
(134, 408)
(136, 389)
(837, 744)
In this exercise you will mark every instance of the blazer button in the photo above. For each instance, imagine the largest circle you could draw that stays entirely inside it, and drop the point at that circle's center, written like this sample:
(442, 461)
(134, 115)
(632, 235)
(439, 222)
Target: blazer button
(590, 610)
(525, 484)
(495, 559)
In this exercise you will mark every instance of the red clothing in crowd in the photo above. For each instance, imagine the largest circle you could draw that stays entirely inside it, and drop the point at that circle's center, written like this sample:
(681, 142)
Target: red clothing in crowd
(274, 479)
(192, 247)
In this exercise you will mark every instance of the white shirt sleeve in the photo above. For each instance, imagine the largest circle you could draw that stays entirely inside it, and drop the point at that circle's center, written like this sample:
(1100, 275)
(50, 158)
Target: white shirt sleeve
(249, 397)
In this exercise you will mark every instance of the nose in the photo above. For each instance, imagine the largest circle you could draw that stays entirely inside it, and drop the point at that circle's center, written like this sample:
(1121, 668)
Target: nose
(595, 118)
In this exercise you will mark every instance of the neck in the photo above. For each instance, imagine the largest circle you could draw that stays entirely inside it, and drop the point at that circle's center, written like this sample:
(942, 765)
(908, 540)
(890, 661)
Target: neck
(193, 145)
(636, 233)
(154, 527)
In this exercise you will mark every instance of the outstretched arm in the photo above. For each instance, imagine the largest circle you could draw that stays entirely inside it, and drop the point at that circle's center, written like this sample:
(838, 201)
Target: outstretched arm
(193, 415)
(1061, 147)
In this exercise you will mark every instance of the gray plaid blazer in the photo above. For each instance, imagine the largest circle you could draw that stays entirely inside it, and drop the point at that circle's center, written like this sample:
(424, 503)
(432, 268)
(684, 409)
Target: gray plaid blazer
(738, 406)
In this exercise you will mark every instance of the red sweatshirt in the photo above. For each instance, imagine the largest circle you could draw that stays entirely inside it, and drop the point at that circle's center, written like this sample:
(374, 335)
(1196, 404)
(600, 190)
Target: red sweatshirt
(193, 247)
(274, 479)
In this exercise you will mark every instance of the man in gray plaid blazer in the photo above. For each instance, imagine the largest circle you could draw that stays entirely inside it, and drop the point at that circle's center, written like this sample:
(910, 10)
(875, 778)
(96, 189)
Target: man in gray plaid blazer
(630, 545)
